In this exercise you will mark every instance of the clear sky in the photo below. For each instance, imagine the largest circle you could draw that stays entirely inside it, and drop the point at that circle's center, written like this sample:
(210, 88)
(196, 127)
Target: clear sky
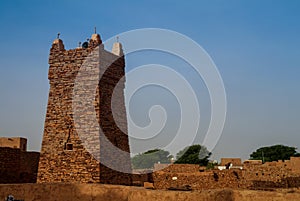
(255, 45)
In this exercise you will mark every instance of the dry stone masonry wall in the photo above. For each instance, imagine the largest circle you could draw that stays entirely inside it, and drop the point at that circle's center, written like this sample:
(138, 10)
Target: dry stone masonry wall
(253, 176)
(73, 145)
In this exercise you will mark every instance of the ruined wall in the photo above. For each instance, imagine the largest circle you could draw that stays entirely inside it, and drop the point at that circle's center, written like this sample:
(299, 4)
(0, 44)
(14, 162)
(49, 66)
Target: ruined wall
(72, 143)
(17, 166)
(269, 175)
(281, 174)
(199, 180)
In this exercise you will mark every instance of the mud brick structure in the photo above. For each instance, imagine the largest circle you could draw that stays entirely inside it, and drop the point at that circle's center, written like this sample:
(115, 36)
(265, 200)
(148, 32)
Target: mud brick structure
(233, 161)
(74, 146)
(14, 142)
(16, 164)
(281, 174)
(276, 174)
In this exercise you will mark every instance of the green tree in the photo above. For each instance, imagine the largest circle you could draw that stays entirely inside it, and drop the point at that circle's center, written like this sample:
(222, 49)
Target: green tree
(274, 153)
(195, 154)
(148, 158)
(297, 155)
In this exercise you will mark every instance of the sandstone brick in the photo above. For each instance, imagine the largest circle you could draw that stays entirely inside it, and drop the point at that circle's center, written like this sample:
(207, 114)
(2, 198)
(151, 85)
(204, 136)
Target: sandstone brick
(64, 154)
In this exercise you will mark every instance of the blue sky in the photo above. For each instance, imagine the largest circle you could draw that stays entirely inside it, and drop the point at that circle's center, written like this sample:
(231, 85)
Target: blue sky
(255, 45)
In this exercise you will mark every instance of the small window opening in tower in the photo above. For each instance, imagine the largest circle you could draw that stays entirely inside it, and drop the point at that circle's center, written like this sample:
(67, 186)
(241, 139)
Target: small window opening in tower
(69, 146)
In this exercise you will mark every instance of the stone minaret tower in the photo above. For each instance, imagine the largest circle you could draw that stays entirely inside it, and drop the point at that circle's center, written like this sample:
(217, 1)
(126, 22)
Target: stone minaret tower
(74, 147)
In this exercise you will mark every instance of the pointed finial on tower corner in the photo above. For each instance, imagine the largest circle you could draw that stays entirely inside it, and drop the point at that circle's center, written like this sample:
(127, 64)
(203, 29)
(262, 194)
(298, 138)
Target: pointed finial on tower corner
(117, 48)
(95, 39)
(95, 30)
(117, 39)
(58, 43)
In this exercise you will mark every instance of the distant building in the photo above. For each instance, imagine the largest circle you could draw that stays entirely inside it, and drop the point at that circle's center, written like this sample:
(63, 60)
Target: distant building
(14, 142)
(228, 163)
(252, 162)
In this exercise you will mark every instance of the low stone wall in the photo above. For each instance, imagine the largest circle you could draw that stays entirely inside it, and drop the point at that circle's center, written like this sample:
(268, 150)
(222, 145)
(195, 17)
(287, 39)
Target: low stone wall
(273, 174)
(288, 182)
(101, 192)
(200, 180)
(266, 176)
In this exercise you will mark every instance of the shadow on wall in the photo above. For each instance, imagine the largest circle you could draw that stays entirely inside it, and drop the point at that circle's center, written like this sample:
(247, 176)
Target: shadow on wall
(18, 166)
